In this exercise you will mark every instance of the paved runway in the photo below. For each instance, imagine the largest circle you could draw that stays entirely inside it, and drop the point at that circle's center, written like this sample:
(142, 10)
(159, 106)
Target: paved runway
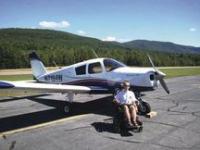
(37, 122)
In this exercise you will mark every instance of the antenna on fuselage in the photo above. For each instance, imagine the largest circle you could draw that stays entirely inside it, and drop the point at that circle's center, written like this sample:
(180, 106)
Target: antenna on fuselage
(94, 53)
(56, 65)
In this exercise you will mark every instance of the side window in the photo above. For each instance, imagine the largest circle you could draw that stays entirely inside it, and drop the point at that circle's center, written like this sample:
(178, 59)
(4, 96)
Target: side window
(94, 68)
(81, 70)
(111, 64)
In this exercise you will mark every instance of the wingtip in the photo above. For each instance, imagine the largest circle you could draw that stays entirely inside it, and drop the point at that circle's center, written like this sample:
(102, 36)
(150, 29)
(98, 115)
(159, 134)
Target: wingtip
(5, 85)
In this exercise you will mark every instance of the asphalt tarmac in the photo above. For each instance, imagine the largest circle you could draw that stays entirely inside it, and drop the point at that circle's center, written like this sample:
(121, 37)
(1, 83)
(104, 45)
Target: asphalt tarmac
(37, 123)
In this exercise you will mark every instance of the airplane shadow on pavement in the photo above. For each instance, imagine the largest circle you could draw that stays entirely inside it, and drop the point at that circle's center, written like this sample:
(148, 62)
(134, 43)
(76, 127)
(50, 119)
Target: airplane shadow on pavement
(101, 106)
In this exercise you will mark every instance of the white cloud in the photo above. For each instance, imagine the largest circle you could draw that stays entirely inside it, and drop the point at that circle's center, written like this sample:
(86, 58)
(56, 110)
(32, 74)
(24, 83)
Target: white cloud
(112, 38)
(81, 32)
(109, 38)
(54, 25)
(192, 29)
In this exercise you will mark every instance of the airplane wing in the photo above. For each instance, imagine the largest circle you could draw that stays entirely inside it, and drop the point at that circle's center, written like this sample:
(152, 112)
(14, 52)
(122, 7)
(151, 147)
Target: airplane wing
(43, 87)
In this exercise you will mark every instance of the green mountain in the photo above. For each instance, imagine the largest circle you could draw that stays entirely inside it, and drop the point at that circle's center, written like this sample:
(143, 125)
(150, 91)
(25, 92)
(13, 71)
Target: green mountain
(161, 46)
(64, 48)
(29, 39)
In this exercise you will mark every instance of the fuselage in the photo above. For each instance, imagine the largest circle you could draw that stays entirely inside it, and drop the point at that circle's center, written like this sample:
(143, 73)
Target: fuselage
(103, 73)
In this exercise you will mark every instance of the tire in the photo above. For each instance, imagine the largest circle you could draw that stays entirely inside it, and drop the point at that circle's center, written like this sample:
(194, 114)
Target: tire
(144, 108)
(66, 109)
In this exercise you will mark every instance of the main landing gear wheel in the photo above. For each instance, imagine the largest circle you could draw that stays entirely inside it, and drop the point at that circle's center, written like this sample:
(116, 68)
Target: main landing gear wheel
(66, 109)
(144, 108)
(68, 104)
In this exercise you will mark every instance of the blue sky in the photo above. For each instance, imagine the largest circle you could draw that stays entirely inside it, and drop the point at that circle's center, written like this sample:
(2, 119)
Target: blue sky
(175, 21)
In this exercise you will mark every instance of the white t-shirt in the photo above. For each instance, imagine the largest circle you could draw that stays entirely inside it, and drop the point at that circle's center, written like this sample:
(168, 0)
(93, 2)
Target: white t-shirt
(125, 97)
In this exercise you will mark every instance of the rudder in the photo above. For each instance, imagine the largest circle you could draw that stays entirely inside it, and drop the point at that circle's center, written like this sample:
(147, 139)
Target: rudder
(37, 66)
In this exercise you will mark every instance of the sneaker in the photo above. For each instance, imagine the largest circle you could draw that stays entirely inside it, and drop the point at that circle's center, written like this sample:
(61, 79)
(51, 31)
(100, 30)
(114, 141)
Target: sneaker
(138, 121)
(135, 124)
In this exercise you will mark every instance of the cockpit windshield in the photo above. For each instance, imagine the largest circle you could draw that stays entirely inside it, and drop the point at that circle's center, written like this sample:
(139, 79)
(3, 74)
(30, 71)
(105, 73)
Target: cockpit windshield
(111, 64)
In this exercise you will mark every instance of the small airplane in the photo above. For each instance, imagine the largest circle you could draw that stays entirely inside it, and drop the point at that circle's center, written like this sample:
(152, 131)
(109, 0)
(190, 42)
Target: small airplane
(99, 75)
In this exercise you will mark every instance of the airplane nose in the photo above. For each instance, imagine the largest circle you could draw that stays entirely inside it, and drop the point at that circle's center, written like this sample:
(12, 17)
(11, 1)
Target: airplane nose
(159, 76)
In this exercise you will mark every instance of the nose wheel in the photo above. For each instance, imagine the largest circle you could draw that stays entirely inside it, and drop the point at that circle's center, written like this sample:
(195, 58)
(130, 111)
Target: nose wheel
(144, 108)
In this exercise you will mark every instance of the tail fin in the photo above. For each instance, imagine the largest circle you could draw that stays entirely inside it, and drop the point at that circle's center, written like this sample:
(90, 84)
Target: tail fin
(37, 66)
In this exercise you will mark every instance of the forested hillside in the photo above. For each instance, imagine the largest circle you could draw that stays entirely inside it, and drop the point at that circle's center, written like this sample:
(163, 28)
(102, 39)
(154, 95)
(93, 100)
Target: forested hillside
(65, 48)
(161, 46)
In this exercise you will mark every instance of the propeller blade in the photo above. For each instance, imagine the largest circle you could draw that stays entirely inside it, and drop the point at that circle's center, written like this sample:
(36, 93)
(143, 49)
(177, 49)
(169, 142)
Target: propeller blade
(152, 62)
(162, 82)
(159, 76)
(161, 73)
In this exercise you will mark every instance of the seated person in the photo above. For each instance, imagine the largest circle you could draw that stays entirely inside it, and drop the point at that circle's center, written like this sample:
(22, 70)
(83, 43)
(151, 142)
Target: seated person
(127, 100)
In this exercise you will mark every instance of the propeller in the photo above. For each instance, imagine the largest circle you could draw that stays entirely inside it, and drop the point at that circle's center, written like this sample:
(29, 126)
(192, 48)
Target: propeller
(159, 76)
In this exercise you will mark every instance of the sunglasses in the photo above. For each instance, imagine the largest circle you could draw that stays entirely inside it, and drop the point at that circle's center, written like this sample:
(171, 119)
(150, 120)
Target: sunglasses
(126, 85)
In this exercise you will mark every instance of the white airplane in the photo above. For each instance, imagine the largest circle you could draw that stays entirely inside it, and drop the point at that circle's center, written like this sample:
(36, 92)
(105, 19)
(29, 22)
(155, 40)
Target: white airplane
(100, 75)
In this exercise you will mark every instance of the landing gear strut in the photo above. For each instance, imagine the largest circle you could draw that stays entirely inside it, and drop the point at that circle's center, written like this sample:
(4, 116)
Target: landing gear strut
(69, 99)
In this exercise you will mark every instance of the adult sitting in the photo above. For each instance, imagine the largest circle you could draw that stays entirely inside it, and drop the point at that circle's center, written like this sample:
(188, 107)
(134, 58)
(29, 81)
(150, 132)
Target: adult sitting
(127, 100)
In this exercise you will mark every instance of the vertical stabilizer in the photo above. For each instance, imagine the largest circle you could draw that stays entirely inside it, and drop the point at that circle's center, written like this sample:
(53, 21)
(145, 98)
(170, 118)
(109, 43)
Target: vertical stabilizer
(37, 66)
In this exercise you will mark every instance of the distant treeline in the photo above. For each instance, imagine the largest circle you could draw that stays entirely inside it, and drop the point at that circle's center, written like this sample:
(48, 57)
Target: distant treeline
(63, 48)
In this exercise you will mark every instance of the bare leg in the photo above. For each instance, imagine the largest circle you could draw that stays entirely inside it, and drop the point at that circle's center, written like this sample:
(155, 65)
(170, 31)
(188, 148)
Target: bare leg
(127, 114)
(133, 112)
(136, 108)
